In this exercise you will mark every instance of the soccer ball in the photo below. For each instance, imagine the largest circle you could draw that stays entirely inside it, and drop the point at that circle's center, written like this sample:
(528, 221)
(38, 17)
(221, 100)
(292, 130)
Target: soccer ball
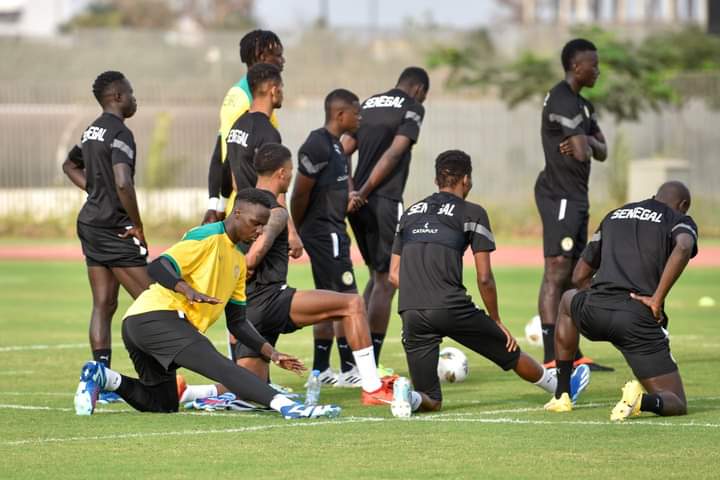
(533, 332)
(452, 366)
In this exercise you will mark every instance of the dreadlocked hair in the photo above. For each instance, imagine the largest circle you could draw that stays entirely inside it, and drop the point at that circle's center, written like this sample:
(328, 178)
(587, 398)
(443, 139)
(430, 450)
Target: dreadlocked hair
(451, 166)
(254, 43)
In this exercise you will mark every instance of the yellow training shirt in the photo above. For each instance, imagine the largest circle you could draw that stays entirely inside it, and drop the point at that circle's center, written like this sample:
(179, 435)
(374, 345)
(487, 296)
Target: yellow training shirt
(237, 101)
(210, 263)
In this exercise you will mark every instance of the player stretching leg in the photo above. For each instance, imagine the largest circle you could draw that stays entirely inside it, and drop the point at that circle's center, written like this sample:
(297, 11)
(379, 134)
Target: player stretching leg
(624, 276)
(319, 204)
(109, 224)
(389, 127)
(163, 329)
(571, 138)
(274, 308)
(427, 266)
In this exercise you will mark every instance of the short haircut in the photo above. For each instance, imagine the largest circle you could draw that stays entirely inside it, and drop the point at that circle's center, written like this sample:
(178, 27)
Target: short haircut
(104, 82)
(253, 196)
(451, 166)
(572, 48)
(261, 73)
(270, 157)
(339, 95)
(414, 76)
(254, 43)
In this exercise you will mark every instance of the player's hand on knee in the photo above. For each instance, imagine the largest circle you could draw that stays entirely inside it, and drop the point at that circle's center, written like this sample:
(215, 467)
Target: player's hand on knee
(193, 296)
(288, 362)
(652, 303)
(511, 343)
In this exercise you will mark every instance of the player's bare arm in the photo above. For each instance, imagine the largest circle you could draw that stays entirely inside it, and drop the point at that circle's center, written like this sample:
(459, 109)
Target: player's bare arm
(394, 275)
(350, 145)
(677, 262)
(74, 169)
(599, 146)
(387, 163)
(126, 193)
(278, 221)
(215, 211)
(578, 147)
(488, 293)
(296, 245)
(582, 274)
(301, 198)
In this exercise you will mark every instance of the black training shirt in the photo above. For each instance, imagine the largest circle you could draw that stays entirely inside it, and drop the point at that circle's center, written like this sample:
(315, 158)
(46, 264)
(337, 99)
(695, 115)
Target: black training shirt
(431, 239)
(384, 116)
(565, 114)
(321, 157)
(249, 132)
(631, 247)
(273, 268)
(106, 142)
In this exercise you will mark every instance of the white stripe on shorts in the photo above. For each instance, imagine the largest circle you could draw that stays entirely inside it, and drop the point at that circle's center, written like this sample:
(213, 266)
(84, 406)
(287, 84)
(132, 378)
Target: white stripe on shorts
(336, 245)
(563, 207)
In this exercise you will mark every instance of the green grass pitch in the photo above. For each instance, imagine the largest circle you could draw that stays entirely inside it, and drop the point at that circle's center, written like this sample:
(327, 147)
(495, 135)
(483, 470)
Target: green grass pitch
(492, 425)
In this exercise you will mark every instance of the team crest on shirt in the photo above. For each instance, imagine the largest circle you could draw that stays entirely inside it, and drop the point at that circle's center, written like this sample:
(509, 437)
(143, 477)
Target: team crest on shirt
(347, 278)
(236, 272)
(567, 244)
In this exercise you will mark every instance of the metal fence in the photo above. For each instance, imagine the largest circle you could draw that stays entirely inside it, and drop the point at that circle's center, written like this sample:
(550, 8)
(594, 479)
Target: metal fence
(38, 125)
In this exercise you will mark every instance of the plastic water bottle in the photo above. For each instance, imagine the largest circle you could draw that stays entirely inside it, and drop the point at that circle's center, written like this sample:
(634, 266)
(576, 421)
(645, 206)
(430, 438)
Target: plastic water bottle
(312, 396)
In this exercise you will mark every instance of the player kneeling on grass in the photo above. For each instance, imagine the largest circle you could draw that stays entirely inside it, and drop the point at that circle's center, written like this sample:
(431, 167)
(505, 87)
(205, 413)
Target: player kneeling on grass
(632, 261)
(427, 267)
(275, 309)
(162, 328)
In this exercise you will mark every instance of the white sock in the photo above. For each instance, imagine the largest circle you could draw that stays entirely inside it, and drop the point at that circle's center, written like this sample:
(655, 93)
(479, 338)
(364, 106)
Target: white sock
(112, 380)
(280, 401)
(365, 362)
(193, 392)
(548, 381)
(415, 400)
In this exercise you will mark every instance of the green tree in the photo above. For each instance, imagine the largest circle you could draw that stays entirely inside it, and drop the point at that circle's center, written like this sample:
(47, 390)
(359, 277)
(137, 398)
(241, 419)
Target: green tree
(663, 69)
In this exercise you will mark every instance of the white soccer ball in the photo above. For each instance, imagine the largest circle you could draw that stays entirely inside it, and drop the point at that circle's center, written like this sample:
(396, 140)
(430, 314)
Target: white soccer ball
(533, 332)
(452, 366)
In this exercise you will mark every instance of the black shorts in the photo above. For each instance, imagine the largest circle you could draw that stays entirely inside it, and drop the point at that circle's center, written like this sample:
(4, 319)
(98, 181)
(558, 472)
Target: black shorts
(374, 226)
(423, 330)
(154, 339)
(332, 267)
(103, 247)
(565, 224)
(268, 309)
(631, 328)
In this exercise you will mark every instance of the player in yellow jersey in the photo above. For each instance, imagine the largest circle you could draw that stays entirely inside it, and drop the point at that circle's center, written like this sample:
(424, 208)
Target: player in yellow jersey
(258, 46)
(163, 328)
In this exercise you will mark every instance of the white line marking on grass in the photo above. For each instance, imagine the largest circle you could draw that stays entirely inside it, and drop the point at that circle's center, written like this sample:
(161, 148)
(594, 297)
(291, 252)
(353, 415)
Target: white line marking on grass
(520, 421)
(60, 346)
(16, 372)
(177, 433)
(41, 394)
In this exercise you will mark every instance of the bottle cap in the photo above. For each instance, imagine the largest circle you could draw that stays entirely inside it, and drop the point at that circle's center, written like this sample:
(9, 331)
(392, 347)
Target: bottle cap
(315, 373)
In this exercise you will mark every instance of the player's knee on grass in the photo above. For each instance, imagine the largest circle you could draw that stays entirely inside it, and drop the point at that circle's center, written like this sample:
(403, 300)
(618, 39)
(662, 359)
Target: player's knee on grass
(430, 403)
(258, 366)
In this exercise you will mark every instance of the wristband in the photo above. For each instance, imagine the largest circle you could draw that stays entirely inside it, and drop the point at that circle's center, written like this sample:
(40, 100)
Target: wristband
(222, 203)
(213, 203)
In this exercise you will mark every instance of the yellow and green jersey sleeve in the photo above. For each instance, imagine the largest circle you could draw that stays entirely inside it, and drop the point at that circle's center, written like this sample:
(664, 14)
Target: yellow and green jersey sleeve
(237, 101)
(211, 264)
